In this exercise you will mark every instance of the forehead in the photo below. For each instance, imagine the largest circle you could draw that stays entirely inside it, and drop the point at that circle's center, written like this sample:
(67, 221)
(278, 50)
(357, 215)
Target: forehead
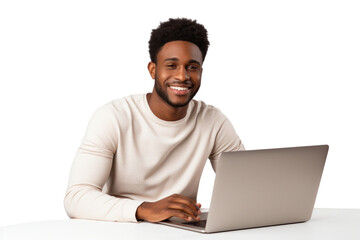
(183, 50)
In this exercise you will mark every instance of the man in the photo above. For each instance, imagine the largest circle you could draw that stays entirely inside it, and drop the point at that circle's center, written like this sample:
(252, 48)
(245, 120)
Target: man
(142, 155)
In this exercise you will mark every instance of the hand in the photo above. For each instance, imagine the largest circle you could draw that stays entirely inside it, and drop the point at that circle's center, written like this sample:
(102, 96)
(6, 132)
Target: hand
(173, 206)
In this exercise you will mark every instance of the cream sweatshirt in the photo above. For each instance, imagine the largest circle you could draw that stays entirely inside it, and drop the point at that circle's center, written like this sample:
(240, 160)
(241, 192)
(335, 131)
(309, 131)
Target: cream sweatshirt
(129, 156)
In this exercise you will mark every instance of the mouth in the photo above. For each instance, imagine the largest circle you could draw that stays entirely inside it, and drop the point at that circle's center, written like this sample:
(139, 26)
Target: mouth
(180, 90)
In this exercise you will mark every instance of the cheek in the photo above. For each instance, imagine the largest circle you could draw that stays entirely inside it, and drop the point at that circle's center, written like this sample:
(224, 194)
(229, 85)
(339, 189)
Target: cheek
(196, 77)
(163, 76)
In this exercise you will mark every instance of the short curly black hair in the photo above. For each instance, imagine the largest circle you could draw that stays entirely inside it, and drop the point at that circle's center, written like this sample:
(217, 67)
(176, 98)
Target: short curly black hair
(179, 29)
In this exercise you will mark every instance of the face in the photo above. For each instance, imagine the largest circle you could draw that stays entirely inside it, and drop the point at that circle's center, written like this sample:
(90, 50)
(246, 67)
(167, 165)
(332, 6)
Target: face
(177, 72)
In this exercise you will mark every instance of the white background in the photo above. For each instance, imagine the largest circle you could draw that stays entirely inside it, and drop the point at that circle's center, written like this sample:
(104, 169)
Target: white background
(284, 73)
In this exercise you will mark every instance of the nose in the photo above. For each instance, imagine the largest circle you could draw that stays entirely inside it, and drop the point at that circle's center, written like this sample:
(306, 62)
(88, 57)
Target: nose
(182, 74)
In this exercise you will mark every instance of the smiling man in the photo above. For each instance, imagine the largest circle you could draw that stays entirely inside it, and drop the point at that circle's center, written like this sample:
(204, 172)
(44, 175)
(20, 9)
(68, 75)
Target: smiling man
(177, 74)
(142, 156)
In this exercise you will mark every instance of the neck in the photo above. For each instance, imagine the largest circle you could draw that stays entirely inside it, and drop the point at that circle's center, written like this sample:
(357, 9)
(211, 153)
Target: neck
(163, 110)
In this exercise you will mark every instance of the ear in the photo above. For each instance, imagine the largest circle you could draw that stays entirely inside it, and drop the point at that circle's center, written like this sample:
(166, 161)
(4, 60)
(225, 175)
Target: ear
(152, 69)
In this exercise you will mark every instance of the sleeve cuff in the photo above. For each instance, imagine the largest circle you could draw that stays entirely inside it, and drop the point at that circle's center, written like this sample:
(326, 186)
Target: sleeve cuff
(129, 210)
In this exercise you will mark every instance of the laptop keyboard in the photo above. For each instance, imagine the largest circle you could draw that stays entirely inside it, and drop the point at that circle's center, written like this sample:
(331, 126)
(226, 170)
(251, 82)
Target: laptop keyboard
(201, 223)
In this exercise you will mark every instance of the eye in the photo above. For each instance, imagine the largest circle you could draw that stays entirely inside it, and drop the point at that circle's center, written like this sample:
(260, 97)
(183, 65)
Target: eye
(193, 67)
(171, 66)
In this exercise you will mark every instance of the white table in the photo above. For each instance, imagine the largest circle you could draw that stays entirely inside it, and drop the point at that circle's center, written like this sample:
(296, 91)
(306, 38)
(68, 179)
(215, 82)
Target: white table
(325, 224)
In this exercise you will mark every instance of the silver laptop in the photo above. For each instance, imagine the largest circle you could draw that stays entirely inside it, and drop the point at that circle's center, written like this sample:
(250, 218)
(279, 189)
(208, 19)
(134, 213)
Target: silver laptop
(257, 188)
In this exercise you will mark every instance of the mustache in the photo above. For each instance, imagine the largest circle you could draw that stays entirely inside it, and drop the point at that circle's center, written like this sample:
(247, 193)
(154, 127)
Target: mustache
(186, 83)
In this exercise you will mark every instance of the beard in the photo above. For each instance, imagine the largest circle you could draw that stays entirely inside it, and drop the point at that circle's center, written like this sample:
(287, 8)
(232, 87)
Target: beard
(163, 94)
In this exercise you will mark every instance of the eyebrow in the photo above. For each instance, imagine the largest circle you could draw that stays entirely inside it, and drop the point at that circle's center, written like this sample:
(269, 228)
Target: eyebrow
(176, 60)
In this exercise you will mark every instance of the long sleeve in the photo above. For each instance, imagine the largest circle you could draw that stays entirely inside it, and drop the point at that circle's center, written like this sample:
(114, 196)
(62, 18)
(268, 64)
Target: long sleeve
(90, 171)
(226, 141)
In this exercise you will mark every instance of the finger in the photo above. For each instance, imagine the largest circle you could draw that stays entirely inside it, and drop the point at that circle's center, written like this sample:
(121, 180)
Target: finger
(179, 214)
(185, 209)
(198, 206)
(184, 200)
(185, 204)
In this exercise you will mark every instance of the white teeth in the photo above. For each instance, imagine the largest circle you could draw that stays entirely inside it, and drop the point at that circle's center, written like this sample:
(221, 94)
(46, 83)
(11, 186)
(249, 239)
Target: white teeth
(178, 88)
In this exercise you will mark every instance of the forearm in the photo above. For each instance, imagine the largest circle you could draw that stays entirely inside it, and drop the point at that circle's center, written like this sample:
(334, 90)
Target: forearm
(88, 202)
